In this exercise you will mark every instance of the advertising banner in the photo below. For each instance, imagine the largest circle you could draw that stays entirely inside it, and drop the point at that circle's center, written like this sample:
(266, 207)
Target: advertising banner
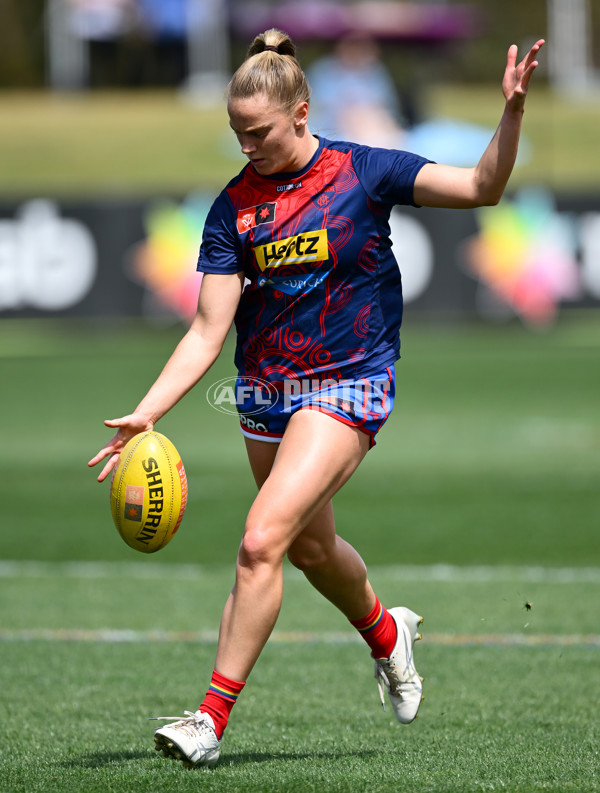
(528, 257)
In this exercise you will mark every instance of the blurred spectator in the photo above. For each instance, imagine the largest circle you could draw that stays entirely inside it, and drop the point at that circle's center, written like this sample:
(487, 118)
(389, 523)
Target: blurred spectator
(99, 20)
(110, 30)
(165, 25)
(138, 42)
(165, 19)
(354, 96)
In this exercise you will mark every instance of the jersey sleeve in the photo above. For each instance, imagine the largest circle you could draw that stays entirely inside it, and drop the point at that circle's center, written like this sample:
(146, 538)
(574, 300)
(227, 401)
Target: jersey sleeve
(220, 250)
(388, 175)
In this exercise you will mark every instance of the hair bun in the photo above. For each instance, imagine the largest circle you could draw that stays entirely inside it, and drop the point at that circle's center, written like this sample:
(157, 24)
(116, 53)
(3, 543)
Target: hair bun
(272, 40)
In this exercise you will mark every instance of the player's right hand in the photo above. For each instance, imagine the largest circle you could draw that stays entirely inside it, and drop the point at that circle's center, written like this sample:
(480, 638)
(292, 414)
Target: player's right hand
(127, 428)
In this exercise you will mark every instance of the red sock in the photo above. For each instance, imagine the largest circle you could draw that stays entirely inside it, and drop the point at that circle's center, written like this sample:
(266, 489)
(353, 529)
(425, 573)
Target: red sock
(379, 631)
(220, 698)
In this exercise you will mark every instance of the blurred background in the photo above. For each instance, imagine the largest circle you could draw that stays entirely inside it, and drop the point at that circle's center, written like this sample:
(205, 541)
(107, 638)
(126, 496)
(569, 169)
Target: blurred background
(114, 141)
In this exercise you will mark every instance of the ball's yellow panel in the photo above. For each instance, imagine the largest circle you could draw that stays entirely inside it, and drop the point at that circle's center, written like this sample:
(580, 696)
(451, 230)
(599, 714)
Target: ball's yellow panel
(148, 492)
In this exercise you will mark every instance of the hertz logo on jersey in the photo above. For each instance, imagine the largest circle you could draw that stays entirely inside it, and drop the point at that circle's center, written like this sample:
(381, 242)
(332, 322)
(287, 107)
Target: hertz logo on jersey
(311, 246)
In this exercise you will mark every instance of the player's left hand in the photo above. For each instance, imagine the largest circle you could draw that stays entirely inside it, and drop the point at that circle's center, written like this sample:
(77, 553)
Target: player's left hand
(517, 75)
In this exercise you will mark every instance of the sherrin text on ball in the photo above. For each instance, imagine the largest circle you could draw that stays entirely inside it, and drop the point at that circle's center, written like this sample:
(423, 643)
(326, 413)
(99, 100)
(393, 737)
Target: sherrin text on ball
(148, 493)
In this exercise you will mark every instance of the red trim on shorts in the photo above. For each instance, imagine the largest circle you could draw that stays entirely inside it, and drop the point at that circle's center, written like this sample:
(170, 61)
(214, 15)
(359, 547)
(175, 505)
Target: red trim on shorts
(269, 437)
(343, 420)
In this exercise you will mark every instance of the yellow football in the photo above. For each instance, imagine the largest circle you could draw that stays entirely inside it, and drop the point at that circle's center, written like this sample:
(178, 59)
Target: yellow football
(148, 492)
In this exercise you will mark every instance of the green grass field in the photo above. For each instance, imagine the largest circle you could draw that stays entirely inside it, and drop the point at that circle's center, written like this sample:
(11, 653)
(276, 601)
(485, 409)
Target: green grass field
(152, 143)
(481, 495)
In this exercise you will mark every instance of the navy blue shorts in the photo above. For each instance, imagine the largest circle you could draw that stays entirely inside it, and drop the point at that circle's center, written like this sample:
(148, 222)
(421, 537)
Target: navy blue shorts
(364, 403)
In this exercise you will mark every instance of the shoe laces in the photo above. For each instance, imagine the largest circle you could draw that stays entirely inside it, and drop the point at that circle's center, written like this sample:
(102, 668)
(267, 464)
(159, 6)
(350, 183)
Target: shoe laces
(382, 682)
(191, 723)
(386, 674)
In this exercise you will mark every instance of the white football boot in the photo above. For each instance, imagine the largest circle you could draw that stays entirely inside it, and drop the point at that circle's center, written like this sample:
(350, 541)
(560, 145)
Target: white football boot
(397, 673)
(191, 739)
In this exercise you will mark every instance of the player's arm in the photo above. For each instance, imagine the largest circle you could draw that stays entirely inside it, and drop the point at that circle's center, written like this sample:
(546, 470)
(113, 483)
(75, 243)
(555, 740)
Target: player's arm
(199, 348)
(447, 186)
(191, 359)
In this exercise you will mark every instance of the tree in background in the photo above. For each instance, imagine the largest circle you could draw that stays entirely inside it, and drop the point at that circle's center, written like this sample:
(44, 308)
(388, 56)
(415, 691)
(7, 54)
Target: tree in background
(21, 43)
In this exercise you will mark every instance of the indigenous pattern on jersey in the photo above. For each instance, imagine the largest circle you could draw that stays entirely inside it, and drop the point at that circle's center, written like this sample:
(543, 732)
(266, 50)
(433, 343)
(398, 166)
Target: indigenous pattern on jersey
(323, 297)
(365, 404)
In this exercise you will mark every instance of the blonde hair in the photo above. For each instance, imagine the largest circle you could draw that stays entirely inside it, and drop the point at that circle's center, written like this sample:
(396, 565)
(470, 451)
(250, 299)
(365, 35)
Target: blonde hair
(271, 68)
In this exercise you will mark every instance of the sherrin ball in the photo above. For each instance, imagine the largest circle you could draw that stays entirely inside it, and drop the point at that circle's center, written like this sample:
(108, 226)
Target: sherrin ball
(148, 492)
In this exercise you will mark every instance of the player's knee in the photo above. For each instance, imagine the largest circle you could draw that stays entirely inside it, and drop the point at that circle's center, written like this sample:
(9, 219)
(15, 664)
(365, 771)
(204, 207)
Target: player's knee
(261, 544)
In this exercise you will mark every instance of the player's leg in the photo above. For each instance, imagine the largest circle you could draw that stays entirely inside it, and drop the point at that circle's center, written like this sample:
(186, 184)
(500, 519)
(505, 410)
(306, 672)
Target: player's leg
(316, 457)
(296, 482)
(336, 570)
(331, 564)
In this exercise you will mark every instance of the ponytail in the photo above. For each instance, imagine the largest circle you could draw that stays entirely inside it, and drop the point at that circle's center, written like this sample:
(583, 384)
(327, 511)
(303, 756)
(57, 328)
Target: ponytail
(271, 68)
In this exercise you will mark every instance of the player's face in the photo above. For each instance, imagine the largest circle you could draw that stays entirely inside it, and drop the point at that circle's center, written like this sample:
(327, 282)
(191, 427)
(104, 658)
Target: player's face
(269, 136)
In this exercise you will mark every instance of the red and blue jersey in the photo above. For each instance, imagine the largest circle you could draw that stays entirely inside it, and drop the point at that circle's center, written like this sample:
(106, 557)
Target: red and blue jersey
(323, 296)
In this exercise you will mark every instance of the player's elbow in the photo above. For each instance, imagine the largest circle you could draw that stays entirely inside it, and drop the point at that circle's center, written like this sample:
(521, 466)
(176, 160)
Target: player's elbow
(491, 199)
(487, 193)
(486, 196)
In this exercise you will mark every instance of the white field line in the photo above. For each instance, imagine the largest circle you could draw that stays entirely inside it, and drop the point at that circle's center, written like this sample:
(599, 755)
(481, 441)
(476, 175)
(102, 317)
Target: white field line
(292, 637)
(180, 572)
(140, 570)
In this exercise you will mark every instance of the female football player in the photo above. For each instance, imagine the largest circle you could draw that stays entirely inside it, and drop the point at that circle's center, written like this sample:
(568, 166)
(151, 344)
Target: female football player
(296, 251)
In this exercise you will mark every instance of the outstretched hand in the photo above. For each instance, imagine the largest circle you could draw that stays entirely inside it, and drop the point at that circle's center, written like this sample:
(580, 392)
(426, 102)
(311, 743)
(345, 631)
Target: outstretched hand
(517, 75)
(128, 426)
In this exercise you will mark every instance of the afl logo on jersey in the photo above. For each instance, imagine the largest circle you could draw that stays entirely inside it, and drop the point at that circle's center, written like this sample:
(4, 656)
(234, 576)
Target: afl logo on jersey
(323, 199)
